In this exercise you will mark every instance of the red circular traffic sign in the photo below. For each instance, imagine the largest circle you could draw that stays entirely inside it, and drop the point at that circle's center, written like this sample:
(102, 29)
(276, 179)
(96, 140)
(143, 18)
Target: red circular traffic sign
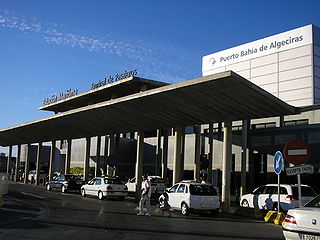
(296, 152)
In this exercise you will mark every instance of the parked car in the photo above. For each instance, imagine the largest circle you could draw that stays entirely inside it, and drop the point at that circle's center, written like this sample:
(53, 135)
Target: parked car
(303, 223)
(158, 185)
(105, 187)
(188, 196)
(266, 197)
(65, 182)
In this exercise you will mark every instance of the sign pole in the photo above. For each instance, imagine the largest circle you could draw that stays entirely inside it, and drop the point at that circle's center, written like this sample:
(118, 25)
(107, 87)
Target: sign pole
(299, 190)
(278, 209)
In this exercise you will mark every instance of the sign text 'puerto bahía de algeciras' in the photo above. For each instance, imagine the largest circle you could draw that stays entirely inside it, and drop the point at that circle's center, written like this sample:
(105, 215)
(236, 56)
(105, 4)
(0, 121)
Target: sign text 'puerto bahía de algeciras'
(111, 79)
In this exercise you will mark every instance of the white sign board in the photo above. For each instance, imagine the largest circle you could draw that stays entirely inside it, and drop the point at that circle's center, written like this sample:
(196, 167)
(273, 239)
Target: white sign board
(299, 170)
(265, 46)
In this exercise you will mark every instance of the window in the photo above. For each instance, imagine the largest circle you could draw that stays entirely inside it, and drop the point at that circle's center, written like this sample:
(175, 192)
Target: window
(206, 190)
(181, 188)
(296, 122)
(97, 182)
(271, 190)
(259, 190)
(173, 189)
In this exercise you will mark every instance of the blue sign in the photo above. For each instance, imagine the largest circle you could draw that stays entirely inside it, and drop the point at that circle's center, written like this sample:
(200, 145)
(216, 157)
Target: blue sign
(278, 162)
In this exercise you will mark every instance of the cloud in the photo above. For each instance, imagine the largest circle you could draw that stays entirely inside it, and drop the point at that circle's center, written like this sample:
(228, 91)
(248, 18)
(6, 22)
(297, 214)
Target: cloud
(154, 58)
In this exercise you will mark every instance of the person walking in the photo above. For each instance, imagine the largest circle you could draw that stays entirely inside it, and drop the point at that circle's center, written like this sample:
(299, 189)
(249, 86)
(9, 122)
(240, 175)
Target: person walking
(145, 197)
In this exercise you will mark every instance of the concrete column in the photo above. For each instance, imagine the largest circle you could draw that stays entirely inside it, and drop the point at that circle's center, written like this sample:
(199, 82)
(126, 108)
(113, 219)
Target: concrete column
(139, 162)
(97, 169)
(281, 121)
(226, 166)
(244, 157)
(164, 167)
(111, 151)
(158, 153)
(9, 161)
(38, 164)
(197, 152)
(68, 157)
(87, 159)
(210, 154)
(183, 144)
(52, 158)
(16, 173)
(177, 156)
(27, 164)
(220, 131)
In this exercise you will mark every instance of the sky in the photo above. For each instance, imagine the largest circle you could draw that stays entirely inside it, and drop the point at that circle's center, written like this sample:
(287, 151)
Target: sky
(48, 47)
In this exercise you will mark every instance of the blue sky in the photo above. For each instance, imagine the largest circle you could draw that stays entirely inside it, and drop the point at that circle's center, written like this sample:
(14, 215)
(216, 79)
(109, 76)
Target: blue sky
(48, 47)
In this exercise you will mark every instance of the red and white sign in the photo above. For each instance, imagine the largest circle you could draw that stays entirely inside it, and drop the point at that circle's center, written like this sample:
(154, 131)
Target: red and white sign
(296, 152)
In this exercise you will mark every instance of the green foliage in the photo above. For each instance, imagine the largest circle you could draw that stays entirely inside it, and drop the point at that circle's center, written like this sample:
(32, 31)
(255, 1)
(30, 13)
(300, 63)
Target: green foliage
(76, 170)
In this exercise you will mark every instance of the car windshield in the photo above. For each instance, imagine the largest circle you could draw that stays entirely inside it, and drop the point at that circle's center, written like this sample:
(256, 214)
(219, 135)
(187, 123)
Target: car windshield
(71, 177)
(314, 202)
(305, 191)
(202, 190)
(112, 181)
(157, 180)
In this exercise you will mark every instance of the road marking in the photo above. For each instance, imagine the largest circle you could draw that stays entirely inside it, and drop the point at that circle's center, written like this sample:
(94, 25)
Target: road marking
(30, 194)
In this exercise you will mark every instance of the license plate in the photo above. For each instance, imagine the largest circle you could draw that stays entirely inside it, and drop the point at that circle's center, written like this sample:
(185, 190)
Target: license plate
(206, 205)
(309, 237)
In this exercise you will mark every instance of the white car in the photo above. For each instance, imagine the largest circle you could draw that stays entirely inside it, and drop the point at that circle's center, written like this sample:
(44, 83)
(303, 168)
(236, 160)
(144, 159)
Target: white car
(158, 185)
(266, 197)
(303, 223)
(105, 187)
(188, 196)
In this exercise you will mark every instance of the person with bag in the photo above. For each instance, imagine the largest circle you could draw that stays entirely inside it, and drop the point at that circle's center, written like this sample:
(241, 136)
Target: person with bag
(145, 197)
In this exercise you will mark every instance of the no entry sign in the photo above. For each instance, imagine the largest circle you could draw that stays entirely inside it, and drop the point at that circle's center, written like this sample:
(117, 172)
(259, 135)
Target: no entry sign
(296, 152)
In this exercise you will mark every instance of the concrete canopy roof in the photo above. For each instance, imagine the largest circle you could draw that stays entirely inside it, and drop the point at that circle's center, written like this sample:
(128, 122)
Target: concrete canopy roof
(215, 98)
(119, 89)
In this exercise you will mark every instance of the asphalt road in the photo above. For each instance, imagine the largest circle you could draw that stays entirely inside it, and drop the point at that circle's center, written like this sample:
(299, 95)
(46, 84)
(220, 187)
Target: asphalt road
(31, 212)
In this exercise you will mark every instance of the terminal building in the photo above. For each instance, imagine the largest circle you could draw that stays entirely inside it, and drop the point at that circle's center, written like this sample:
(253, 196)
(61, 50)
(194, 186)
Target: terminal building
(224, 126)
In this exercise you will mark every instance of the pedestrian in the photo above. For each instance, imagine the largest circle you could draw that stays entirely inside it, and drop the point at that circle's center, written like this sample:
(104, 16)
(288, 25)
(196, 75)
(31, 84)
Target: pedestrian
(164, 204)
(145, 197)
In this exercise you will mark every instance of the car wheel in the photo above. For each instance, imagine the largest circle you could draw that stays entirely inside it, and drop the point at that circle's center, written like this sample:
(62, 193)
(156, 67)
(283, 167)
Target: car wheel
(48, 187)
(244, 203)
(83, 192)
(185, 209)
(63, 189)
(100, 195)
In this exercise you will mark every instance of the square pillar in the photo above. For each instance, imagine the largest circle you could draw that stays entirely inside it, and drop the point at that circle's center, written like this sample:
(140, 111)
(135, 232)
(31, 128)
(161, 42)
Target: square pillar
(197, 152)
(52, 158)
(158, 153)
(17, 173)
(226, 166)
(97, 168)
(164, 167)
(38, 164)
(27, 164)
(244, 157)
(68, 157)
(9, 161)
(86, 159)
(177, 161)
(210, 155)
(139, 162)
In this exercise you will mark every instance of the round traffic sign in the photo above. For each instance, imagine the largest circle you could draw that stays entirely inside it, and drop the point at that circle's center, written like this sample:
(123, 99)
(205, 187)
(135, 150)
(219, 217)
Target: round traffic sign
(278, 162)
(296, 152)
